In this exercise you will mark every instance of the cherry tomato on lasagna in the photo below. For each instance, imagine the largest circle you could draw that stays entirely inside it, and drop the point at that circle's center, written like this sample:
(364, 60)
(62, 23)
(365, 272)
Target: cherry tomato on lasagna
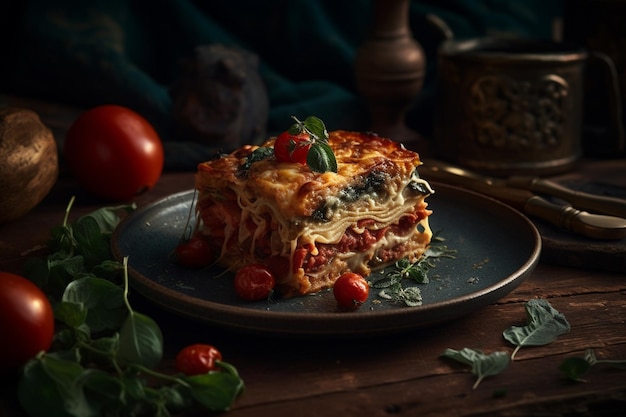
(351, 291)
(292, 148)
(195, 252)
(197, 359)
(26, 321)
(113, 152)
(254, 282)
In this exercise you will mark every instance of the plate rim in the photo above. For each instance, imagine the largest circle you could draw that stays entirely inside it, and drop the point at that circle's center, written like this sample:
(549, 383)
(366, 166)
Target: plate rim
(345, 323)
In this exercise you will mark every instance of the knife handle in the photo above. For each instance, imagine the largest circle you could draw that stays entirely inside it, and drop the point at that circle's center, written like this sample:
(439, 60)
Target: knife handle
(594, 226)
(586, 201)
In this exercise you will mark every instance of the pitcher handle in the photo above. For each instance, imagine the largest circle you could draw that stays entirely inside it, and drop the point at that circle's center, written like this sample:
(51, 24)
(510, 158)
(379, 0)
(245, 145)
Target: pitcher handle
(616, 140)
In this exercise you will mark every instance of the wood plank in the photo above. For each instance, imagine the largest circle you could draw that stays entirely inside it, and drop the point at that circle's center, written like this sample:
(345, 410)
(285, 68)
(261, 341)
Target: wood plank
(288, 371)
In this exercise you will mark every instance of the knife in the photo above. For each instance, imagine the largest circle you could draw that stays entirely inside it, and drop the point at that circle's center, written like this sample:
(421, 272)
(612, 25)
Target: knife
(593, 202)
(585, 201)
(565, 217)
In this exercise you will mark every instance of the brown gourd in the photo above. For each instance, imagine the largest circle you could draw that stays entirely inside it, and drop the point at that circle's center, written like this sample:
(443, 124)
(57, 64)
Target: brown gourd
(28, 162)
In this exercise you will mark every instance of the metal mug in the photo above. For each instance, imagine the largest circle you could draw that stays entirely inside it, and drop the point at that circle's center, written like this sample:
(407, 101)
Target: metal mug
(510, 106)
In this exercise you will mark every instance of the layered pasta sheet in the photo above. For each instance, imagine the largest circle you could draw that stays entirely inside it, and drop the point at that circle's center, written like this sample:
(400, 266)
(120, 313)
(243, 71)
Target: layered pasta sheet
(310, 227)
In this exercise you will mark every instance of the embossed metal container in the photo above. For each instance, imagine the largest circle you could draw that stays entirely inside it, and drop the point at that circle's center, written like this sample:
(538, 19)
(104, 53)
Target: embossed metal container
(510, 106)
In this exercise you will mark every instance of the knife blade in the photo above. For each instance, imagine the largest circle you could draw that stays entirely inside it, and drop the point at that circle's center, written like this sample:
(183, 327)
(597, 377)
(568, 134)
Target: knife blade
(565, 217)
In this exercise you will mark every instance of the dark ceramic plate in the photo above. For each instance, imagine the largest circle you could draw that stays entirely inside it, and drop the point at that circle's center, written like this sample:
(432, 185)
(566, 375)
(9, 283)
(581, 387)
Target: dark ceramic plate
(497, 248)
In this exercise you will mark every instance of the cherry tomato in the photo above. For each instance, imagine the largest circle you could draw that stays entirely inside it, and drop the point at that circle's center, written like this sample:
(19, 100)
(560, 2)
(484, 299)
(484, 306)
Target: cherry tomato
(113, 152)
(254, 282)
(292, 148)
(197, 359)
(195, 252)
(351, 290)
(26, 321)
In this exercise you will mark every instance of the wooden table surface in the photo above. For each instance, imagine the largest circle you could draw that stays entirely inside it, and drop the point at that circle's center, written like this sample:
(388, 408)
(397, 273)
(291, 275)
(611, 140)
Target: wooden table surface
(400, 374)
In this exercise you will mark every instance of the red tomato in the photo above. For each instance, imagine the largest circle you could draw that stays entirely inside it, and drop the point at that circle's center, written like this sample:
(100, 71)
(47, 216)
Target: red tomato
(113, 152)
(26, 321)
(292, 148)
(351, 290)
(197, 359)
(254, 282)
(195, 252)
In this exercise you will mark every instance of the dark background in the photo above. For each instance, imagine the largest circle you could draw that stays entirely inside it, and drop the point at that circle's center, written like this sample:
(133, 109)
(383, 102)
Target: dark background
(127, 52)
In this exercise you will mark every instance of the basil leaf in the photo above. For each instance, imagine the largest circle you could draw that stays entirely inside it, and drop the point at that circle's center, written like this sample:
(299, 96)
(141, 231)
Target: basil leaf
(90, 242)
(544, 325)
(321, 158)
(216, 391)
(72, 314)
(104, 391)
(60, 272)
(79, 277)
(316, 128)
(103, 299)
(176, 398)
(141, 341)
(574, 368)
(62, 242)
(107, 218)
(489, 365)
(51, 386)
(482, 365)
(465, 355)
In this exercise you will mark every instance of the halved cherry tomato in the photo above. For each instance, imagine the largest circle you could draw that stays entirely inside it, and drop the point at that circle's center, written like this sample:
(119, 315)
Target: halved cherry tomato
(197, 359)
(26, 321)
(351, 290)
(292, 148)
(113, 152)
(254, 282)
(195, 252)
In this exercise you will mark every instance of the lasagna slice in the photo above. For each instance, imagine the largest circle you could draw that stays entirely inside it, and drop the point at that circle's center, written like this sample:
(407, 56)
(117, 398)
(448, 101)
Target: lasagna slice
(308, 227)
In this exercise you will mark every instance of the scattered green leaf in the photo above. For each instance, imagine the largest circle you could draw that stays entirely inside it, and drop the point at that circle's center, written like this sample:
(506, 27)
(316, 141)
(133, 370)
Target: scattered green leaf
(391, 280)
(482, 365)
(544, 325)
(576, 367)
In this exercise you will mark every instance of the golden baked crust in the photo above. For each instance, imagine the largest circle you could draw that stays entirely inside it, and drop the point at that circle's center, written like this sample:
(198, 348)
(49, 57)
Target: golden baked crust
(310, 227)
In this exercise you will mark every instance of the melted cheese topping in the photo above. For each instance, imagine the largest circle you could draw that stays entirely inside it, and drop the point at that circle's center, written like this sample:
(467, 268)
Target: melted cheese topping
(275, 209)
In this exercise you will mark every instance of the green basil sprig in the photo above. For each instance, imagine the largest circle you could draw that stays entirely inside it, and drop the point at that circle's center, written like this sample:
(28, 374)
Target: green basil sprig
(105, 355)
(321, 157)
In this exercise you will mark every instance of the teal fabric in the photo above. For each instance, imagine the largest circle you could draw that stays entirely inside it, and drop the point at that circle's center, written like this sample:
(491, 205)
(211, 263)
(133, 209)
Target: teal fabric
(86, 53)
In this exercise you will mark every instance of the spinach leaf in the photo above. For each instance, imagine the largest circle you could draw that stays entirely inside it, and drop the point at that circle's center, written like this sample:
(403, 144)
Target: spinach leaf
(257, 155)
